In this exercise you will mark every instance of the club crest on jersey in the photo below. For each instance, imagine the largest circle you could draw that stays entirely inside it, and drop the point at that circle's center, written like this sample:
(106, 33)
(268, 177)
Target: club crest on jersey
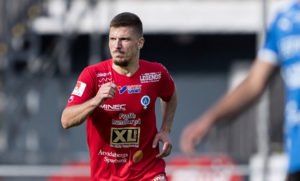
(145, 101)
(125, 137)
(79, 88)
(131, 89)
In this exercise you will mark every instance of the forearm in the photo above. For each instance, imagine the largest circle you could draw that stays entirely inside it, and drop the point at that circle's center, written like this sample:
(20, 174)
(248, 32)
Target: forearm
(76, 115)
(231, 104)
(168, 111)
(234, 102)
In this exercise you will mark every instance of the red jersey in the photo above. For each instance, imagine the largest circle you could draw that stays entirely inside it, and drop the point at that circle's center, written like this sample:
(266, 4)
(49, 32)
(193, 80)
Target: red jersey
(121, 126)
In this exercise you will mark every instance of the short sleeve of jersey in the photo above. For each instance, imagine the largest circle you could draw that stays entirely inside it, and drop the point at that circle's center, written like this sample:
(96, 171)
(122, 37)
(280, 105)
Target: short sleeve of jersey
(269, 51)
(84, 88)
(167, 85)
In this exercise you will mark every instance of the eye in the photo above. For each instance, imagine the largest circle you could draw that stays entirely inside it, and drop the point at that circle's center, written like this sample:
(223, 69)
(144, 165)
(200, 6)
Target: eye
(125, 39)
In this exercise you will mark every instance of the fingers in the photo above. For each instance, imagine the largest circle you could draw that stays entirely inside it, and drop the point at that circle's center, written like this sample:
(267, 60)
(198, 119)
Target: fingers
(107, 90)
(114, 86)
(167, 145)
(191, 136)
(166, 150)
(187, 142)
(155, 141)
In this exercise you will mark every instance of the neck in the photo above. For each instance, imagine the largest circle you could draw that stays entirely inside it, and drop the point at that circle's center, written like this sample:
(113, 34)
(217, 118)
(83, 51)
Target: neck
(128, 70)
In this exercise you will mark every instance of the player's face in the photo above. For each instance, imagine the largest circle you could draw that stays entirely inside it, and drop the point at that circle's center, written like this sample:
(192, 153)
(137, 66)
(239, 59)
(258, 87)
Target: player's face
(124, 45)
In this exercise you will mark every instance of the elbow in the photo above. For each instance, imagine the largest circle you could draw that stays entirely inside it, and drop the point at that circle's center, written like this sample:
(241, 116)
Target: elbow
(70, 118)
(65, 123)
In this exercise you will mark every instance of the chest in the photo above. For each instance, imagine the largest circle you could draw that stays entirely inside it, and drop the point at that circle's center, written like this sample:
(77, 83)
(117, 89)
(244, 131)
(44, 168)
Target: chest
(135, 95)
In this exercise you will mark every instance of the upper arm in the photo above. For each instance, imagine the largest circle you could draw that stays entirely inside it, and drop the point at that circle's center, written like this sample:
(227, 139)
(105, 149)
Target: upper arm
(166, 85)
(84, 89)
(172, 100)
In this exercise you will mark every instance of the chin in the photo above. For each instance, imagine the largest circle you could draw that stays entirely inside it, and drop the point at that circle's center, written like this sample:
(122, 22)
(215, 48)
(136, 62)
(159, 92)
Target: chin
(122, 63)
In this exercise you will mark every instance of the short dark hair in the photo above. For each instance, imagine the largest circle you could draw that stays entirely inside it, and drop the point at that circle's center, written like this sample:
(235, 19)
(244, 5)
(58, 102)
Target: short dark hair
(128, 19)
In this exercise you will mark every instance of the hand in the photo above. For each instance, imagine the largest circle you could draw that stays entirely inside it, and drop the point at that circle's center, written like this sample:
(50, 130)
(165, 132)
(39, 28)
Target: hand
(164, 137)
(192, 135)
(106, 91)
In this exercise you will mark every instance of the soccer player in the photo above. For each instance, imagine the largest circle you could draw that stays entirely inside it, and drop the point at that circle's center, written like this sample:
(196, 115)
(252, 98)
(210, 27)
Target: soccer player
(117, 98)
(281, 48)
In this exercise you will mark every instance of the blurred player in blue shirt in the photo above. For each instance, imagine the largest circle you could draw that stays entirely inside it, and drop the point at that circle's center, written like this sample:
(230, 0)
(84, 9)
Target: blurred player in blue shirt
(281, 48)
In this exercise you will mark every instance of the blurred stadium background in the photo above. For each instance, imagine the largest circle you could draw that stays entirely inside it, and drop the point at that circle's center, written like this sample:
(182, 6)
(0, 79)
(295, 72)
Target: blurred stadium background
(207, 45)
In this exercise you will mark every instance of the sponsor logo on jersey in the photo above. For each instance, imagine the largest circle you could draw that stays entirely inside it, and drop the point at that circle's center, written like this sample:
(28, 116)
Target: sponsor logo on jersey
(105, 80)
(150, 77)
(115, 107)
(71, 99)
(113, 157)
(105, 74)
(125, 137)
(79, 88)
(127, 116)
(126, 122)
(131, 89)
(127, 119)
(104, 77)
(145, 101)
(160, 177)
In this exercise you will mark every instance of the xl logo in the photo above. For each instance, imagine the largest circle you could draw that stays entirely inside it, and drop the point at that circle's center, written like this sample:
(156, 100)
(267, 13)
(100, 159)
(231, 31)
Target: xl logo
(128, 135)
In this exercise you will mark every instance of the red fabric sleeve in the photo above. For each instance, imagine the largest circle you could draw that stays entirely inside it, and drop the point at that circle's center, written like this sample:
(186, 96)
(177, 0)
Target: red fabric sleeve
(84, 88)
(167, 85)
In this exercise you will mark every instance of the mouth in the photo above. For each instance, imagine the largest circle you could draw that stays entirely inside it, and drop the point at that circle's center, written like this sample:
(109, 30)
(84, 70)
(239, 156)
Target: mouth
(118, 52)
(119, 56)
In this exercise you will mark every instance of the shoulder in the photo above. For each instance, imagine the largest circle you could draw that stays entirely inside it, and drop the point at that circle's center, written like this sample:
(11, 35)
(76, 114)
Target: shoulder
(99, 67)
(288, 10)
(154, 66)
(284, 18)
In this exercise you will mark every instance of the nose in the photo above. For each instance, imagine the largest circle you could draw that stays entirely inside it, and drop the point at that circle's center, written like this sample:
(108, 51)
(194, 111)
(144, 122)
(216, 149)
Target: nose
(118, 44)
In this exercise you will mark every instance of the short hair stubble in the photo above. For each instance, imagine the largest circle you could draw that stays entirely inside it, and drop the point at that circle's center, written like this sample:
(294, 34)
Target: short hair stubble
(128, 19)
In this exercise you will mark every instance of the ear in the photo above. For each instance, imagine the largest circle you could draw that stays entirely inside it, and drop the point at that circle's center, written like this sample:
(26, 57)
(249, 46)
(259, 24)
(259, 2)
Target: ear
(141, 42)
